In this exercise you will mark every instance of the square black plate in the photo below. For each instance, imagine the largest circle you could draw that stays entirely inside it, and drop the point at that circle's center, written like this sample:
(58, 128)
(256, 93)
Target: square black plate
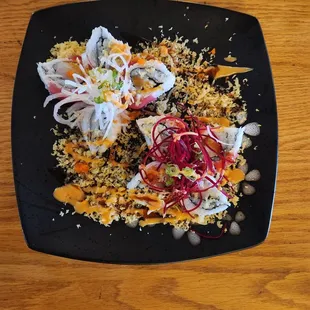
(32, 140)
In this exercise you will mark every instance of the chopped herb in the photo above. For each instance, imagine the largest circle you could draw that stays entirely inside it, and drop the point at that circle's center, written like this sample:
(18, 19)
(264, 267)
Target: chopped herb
(169, 181)
(119, 85)
(114, 74)
(98, 100)
(190, 173)
(172, 170)
(104, 84)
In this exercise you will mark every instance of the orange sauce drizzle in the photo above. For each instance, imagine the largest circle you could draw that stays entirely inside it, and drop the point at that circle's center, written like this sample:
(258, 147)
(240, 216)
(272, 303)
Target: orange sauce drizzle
(74, 195)
(69, 149)
(224, 71)
(223, 121)
(152, 201)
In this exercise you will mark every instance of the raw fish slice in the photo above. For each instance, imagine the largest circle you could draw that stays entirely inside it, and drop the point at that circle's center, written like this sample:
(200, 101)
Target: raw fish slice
(137, 182)
(54, 73)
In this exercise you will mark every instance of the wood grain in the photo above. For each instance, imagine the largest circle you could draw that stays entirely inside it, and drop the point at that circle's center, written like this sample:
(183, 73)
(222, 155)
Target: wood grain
(275, 275)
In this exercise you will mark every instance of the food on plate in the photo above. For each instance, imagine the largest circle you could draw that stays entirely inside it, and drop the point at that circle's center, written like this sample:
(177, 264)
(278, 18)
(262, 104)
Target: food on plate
(145, 135)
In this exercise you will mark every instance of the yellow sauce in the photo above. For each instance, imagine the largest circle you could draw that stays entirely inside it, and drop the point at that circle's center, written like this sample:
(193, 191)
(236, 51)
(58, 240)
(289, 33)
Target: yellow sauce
(212, 52)
(137, 211)
(157, 220)
(178, 214)
(74, 195)
(144, 87)
(152, 201)
(116, 48)
(104, 214)
(117, 164)
(224, 71)
(163, 51)
(74, 68)
(223, 121)
(133, 115)
(150, 90)
(95, 189)
(69, 194)
(81, 167)
(137, 81)
(214, 145)
(230, 58)
(138, 60)
(69, 149)
(102, 142)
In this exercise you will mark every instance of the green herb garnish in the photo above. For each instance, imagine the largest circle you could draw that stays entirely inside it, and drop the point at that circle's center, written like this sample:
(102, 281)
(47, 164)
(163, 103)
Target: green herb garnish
(98, 100)
(119, 85)
(169, 181)
(105, 84)
(190, 174)
(114, 74)
(172, 170)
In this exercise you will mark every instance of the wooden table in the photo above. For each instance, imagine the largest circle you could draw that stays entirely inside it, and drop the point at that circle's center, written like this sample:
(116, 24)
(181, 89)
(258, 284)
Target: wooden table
(275, 275)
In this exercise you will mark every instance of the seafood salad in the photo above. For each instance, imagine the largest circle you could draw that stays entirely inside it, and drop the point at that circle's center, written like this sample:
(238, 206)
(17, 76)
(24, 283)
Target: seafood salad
(100, 85)
(144, 134)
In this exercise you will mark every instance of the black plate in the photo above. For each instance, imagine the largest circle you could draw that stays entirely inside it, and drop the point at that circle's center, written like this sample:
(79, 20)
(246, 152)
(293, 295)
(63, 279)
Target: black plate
(32, 140)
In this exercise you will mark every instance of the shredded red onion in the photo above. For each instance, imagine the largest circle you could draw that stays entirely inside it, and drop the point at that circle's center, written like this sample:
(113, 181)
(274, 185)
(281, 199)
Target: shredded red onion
(209, 236)
(183, 145)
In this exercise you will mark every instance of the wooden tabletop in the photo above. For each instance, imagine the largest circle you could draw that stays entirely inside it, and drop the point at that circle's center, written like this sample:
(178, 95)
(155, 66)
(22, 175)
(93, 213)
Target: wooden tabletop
(274, 275)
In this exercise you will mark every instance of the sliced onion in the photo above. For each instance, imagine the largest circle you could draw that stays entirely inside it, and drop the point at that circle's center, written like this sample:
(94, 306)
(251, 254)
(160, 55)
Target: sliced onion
(81, 67)
(78, 77)
(52, 97)
(70, 83)
(84, 124)
(253, 175)
(252, 129)
(75, 107)
(111, 115)
(71, 99)
(111, 60)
